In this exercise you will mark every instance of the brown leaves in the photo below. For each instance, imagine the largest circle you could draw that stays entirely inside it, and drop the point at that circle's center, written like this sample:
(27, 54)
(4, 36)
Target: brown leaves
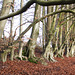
(3, 43)
(64, 66)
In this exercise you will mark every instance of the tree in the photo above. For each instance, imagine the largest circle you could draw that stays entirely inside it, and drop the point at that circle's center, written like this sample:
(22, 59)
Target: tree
(35, 32)
(4, 11)
(51, 27)
(20, 31)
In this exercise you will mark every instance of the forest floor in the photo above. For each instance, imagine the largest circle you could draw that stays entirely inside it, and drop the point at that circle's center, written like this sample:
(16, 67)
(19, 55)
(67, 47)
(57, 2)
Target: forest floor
(64, 66)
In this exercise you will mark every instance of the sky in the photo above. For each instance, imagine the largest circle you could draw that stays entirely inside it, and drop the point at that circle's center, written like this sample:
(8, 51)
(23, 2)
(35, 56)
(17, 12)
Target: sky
(27, 16)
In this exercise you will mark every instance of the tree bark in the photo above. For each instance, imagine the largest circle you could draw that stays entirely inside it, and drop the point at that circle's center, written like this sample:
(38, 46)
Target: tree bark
(35, 33)
(4, 11)
(20, 31)
(48, 54)
(67, 39)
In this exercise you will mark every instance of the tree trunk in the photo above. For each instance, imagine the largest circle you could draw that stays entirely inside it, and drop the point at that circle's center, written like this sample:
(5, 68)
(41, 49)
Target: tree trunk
(72, 51)
(20, 31)
(35, 33)
(48, 54)
(4, 11)
(60, 52)
(12, 50)
(30, 47)
(43, 29)
(68, 34)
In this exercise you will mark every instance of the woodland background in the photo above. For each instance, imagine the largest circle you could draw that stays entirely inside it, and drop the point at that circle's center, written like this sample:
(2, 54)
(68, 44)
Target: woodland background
(52, 23)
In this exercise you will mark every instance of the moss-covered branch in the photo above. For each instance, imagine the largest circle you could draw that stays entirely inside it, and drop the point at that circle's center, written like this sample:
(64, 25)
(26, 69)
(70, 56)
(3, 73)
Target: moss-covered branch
(23, 9)
(43, 3)
(37, 20)
(54, 2)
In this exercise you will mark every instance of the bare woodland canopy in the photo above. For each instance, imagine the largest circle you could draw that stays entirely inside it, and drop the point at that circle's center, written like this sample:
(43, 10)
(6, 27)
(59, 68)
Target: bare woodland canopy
(58, 29)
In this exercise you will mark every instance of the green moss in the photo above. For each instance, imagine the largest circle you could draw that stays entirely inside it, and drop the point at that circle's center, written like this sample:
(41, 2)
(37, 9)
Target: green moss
(25, 52)
(23, 59)
(60, 56)
(18, 58)
(32, 60)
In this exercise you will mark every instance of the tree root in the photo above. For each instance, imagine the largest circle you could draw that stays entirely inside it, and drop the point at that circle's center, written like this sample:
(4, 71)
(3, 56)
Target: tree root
(33, 59)
(37, 60)
(49, 57)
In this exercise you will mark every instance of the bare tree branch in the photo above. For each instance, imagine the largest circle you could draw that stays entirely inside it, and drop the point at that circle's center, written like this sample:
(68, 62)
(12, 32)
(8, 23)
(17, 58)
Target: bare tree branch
(43, 3)
(23, 9)
(54, 2)
(38, 20)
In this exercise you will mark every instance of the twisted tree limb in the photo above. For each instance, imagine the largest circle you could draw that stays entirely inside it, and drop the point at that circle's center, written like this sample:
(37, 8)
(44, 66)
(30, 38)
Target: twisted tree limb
(54, 2)
(23, 9)
(37, 20)
(42, 3)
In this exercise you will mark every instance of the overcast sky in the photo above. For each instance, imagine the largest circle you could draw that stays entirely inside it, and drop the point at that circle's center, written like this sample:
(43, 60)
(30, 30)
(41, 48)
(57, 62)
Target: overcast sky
(28, 15)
